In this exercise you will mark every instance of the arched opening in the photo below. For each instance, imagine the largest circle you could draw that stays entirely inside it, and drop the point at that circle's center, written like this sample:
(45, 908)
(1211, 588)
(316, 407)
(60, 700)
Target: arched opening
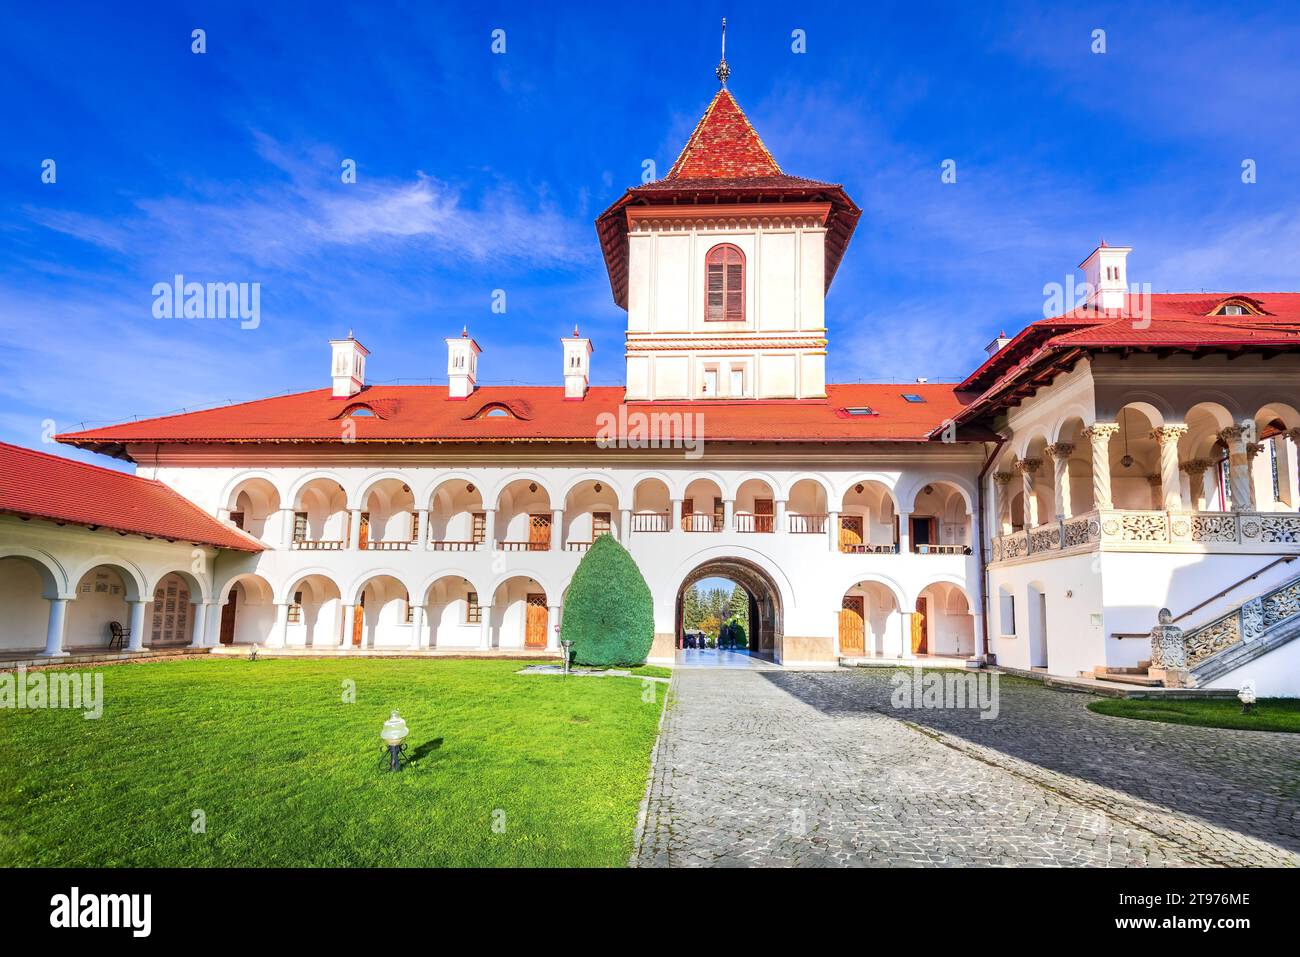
(388, 520)
(590, 510)
(806, 510)
(744, 584)
(26, 585)
(1275, 466)
(524, 517)
(1135, 460)
(454, 613)
(651, 506)
(247, 612)
(940, 520)
(520, 615)
(320, 516)
(755, 509)
(868, 519)
(382, 616)
(102, 596)
(1077, 449)
(177, 601)
(702, 506)
(871, 622)
(457, 518)
(942, 624)
(252, 504)
(315, 613)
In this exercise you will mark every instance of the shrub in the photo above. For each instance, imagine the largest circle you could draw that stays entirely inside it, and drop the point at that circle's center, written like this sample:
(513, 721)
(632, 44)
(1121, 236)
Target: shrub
(608, 611)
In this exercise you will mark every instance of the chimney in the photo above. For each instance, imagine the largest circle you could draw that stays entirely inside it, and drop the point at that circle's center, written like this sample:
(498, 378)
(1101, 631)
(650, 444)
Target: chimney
(577, 365)
(349, 366)
(1106, 274)
(462, 366)
(997, 344)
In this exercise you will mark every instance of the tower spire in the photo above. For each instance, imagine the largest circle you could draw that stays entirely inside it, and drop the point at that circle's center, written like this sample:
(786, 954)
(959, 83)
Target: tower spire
(723, 71)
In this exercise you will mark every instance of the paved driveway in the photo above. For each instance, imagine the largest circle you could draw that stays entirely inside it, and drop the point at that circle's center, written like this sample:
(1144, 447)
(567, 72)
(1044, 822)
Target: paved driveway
(780, 768)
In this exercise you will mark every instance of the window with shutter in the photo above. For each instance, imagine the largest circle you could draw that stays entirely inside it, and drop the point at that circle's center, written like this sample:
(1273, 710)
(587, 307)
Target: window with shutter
(724, 267)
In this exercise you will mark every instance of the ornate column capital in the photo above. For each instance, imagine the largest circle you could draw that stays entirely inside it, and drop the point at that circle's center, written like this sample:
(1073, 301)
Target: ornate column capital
(1060, 450)
(1252, 449)
(1027, 466)
(1293, 435)
(1101, 430)
(1195, 467)
(1232, 433)
(1003, 478)
(1168, 434)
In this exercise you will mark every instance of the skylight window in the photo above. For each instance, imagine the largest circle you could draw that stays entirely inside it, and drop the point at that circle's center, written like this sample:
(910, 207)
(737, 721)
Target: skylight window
(359, 411)
(860, 410)
(912, 397)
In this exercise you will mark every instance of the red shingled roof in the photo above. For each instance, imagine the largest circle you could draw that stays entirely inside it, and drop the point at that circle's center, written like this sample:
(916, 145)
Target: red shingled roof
(1169, 322)
(424, 414)
(39, 485)
(724, 162)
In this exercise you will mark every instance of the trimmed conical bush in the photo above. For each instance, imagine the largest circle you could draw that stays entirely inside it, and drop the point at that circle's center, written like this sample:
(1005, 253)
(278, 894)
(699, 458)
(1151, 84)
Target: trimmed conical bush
(608, 611)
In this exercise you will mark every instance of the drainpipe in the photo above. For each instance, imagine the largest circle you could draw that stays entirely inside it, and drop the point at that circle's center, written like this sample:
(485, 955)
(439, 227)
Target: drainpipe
(984, 568)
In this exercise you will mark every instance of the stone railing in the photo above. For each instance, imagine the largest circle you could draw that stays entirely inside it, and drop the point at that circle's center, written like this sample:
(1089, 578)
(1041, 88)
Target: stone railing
(1194, 531)
(1244, 624)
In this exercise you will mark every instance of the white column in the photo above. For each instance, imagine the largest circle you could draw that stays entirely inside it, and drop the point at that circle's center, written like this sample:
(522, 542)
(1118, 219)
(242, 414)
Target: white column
(212, 625)
(1238, 467)
(1171, 486)
(1060, 453)
(779, 508)
(557, 529)
(490, 528)
(1099, 436)
(978, 622)
(677, 515)
(286, 527)
(485, 640)
(55, 628)
(417, 627)
(354, 529)
(1252, 452)
(905, 650)
(625, 524)
(136, 641)
(553, 628)
(904, 532)
(1002, 490)
(349, 617)
(280, 632)
(1196, 470)
(728, 514)
(1028, 468)
(1291, 487)
(833, 530)
(421, 527)
(199, 615)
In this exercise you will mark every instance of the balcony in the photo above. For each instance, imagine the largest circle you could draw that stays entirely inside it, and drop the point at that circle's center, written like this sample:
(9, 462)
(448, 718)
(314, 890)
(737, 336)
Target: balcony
(751, 522)
(868, 548)
(651, 522)
(814, 524)
(931, 549)
(1154, 531)
(376, 546)
(317, 545)
(530, 546)
(453, 546)
(701, 522)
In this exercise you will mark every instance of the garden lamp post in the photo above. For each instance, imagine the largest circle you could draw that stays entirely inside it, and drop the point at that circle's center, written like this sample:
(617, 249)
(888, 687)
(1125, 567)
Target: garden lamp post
(1247, 697)
(393, 736)
(567, 646)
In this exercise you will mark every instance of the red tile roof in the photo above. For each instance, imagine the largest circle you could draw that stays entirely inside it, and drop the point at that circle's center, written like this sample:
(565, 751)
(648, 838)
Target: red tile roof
(1161, 321)
(39, 485)
(724, 162)
(424, 414)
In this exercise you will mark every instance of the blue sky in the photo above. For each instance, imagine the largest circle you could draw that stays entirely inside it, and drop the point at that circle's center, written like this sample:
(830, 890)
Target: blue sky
(479, 172)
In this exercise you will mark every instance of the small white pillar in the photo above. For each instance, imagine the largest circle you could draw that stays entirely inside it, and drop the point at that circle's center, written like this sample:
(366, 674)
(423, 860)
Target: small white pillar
(906, 649)
(490, 528)
(779, 508)
(729, 515)
(417, 627)
(286, 527)
(136, 642)
(199, 616)
(553, 628)
(833, 530)
(212, 624)
(354, 529)
(904, 533)
(625, 524)
(677, 515)
(349, 623)
(55, 628)
(557, 529)
(421, 527)
(485, 640)
(280, 631)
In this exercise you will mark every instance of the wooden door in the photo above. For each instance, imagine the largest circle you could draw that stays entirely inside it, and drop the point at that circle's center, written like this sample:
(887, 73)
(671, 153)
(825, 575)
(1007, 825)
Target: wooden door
(852, 627)
(920, 628)
(535, 626)
(850, 532)
(359, 622)
(922, 533)
(764, 515)
(601, 523)
(539, 532)
(363, 537)
(688, 511)
(719, 514)
(228, 617)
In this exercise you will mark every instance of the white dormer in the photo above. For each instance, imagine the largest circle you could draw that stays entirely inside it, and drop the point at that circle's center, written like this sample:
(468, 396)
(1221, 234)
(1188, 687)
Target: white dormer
(1106, 274)
(998, 344)
(577, 365)
(462, 366)
(348, 366)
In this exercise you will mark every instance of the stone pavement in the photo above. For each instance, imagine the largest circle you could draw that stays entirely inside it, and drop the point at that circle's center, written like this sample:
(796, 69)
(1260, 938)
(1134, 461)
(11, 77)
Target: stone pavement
(781, 768)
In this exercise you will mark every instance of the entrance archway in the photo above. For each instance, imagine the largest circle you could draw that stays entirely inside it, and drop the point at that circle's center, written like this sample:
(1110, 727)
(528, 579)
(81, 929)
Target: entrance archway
(765, 612)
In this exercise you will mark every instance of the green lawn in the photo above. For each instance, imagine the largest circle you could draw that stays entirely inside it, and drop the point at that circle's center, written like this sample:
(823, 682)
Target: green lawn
(1270, 714)
(508, 770)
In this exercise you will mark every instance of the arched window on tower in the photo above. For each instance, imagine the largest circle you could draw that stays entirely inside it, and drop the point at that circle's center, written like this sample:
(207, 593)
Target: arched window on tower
(724, 268)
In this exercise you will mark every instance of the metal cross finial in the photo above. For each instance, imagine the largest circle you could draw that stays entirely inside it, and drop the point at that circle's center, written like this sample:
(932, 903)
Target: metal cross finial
(723, 71)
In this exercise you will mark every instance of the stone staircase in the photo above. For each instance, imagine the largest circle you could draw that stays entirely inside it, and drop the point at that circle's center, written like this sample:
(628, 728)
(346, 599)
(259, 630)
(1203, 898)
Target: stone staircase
(1128, 676)
(1255, 628)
